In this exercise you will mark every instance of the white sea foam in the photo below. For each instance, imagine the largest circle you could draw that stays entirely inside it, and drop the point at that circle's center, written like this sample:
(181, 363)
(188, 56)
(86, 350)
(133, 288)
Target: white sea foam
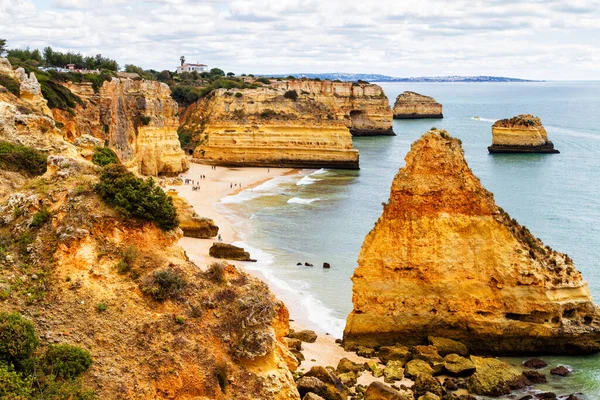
(293, 293)
(265, 189)
(483, 119)
(319, 172)
(298, 200)
(307, 180)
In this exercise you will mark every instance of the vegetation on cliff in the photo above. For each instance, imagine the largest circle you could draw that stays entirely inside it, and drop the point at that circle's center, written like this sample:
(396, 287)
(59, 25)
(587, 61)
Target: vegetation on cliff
(104, 156)
(523, 120)
(22, 159)
(136, 197)
(29, 374)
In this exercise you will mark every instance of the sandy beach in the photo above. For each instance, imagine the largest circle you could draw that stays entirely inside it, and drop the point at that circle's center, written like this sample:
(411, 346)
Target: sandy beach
(217, 184)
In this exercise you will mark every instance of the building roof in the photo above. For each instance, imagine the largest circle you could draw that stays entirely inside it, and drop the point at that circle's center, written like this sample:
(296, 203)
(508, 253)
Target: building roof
(194, 65)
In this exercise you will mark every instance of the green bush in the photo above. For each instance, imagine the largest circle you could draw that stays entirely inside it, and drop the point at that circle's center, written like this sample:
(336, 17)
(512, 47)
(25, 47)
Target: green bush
(65, 361)
(17, 338)
(291, 94)
(40, 218)
(136, 197)
(52, 388)
(268, 113)
(11, 84)
(163, 284)
(264, 80)
(104, 156)
(12, 385)
(238, 94)
(58, 96)
(145, 119)
(17, 158)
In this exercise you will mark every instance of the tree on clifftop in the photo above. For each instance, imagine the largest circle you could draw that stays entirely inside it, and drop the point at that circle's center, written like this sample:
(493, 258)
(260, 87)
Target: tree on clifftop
(2, 46)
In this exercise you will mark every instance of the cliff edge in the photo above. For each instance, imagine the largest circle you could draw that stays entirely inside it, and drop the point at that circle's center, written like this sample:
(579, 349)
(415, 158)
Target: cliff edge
(521, 134)
(411, 105)
(263, 127)
(445, 260)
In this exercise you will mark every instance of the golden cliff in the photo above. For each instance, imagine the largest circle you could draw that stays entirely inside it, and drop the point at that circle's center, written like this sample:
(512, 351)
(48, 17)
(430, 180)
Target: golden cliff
(88, 276)
(521, 134)
(363, 107)
(137, 118)
(411, 105)
(262, 127)
(444, 260)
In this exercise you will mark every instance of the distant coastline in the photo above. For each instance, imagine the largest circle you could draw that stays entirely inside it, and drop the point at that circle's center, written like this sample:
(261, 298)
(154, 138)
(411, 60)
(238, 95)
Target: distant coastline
(385, 78)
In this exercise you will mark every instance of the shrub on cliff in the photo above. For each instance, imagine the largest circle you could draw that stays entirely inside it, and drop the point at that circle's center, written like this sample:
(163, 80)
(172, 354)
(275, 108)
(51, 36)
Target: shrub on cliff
(17, 338)
(13, 385)
(17, 158)
(11, 84)
(136, 198)
(163, 284)
(40, 218)
(104, 156)
(65, 361)
(291, 94)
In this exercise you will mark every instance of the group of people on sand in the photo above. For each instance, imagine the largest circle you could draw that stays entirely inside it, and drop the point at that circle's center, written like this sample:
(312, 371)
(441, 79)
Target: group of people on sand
(232, 185)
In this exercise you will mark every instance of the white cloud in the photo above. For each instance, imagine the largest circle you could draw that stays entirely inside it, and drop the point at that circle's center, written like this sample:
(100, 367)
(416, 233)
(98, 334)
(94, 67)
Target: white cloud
(548, 39)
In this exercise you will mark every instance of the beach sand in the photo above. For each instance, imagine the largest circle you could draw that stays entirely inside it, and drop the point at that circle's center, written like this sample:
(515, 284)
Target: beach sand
(216, 185)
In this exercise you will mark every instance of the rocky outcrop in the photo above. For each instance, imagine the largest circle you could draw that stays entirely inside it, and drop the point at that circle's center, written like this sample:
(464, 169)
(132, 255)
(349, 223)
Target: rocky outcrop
(191, 223)
(138, 119)
(228, 252)
(26, 119)
(212, 339)
(411, 105)
(521, 134)
(261, 127)
(444, 260)
(363, 107)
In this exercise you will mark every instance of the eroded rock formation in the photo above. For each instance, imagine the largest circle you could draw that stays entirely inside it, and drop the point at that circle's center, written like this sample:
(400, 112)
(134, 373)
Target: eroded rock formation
(261, 127)
(411, 105)
(137, 118)
(191, 223)
(521, 134)
(363, 107)
(213, 337)
(445, 260)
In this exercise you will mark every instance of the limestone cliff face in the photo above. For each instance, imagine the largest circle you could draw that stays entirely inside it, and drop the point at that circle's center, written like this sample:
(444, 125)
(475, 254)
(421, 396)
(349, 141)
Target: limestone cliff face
(445, 260)
(26, 118)
(411, 105)
(363, 107)
(137, 118)
(521, 134)
(261, 127)
(215, 338)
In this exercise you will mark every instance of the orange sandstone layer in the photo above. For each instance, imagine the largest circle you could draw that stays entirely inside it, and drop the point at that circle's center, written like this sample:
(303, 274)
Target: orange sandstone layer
(411, 105)
(138, 119)
(261, 127)
(445, 260)
(362, 107)
(521, 134)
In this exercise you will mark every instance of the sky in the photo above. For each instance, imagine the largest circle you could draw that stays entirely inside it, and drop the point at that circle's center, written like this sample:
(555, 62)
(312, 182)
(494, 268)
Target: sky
(533, 39)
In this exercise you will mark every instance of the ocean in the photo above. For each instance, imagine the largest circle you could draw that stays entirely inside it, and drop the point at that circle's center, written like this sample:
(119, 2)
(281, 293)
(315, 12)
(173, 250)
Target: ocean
(319, 216)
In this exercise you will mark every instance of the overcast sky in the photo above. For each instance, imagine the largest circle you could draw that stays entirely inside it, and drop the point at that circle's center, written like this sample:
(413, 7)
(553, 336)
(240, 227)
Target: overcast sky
(536, 39)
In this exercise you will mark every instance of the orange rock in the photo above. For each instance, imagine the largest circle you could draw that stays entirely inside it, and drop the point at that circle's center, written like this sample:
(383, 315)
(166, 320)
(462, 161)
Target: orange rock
(444, 260)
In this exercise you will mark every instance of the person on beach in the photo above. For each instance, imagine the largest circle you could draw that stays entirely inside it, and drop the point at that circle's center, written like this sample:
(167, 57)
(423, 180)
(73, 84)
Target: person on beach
(230, 185)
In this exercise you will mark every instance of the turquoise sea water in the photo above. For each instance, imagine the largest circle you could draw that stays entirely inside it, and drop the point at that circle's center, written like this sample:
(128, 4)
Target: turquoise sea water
(323, 216)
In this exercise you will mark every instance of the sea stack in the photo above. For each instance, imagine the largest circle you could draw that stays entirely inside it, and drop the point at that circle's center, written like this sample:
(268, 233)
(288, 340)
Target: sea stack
(521, 134)
(411, 105)
(444, 260)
